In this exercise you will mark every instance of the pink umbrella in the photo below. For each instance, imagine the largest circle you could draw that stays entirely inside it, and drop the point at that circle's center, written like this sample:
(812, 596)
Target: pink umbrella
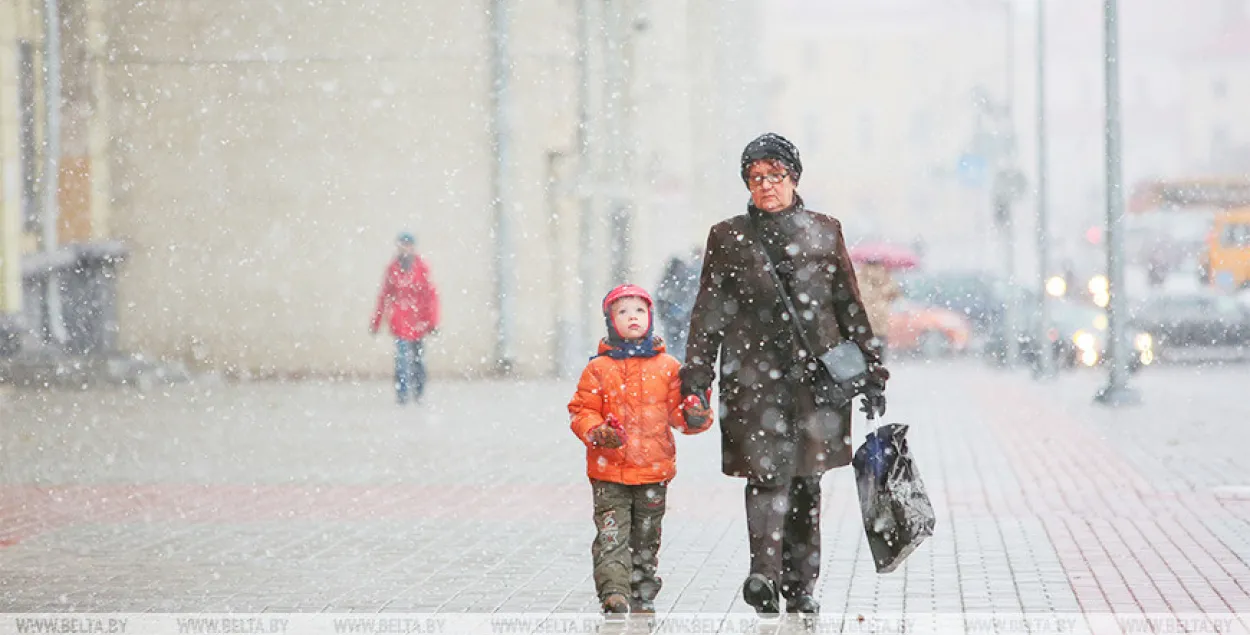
(890, 256)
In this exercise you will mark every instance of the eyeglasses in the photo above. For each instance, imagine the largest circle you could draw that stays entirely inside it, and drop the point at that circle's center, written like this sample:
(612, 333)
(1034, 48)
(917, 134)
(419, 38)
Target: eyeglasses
(774, 178)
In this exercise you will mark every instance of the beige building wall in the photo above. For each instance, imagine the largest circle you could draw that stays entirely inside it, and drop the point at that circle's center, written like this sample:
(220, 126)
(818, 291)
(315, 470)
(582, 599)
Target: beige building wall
(264, 156)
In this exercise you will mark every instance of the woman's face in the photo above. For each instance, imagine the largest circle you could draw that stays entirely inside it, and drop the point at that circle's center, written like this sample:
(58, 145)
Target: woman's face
(766, 194)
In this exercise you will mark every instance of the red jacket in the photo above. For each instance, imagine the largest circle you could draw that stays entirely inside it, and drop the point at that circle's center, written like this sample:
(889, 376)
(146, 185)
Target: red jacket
(411, 299)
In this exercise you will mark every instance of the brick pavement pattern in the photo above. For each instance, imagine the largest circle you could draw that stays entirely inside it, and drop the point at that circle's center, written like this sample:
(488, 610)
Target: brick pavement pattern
(328, 497)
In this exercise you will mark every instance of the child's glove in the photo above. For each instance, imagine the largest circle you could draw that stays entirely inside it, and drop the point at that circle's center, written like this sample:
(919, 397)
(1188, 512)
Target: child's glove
(616, 426)
(610, 435)
(695, 409)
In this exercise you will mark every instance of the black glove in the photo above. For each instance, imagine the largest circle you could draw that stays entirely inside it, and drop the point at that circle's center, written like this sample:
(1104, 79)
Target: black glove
(878, 374)
(873, 404)
(695, 380)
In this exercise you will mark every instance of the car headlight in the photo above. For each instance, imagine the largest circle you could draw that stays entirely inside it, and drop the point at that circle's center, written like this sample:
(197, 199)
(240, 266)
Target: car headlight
(1143, 342)
(1098, 285)
(1056, 286)
(1085, 341)
(1089, 356)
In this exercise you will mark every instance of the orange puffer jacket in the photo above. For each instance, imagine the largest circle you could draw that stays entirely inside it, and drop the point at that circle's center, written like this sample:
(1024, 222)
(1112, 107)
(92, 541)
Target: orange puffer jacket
(644, 394)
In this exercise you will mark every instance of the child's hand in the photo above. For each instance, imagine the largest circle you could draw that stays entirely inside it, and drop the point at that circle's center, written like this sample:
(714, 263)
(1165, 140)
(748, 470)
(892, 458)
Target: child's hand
(695, 409)
(606, 436)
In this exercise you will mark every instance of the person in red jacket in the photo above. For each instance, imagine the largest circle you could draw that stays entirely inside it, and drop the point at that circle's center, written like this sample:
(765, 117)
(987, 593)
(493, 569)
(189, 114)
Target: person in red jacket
(410, 297)
(627, 402)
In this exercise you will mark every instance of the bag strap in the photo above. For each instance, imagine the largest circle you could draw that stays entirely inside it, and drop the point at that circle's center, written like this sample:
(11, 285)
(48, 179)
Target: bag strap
(785, 299)
(795, 323)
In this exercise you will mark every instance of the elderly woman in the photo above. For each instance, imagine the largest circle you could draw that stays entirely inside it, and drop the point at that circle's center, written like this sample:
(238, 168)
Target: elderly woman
(775, 430)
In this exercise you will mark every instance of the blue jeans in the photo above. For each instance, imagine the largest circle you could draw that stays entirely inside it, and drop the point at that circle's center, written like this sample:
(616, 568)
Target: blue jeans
(409, 369)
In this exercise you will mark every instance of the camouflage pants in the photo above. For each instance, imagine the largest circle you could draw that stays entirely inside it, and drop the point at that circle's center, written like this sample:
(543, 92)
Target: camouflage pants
(627, 538)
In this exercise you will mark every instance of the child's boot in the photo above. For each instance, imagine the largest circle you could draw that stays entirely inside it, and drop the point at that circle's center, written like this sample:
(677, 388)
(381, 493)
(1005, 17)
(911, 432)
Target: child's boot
(644, 592)
(642, 606)
(616, 604)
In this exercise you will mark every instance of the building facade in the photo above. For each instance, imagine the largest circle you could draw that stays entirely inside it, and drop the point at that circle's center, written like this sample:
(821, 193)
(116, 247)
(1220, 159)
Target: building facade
(883, 97)
(82, 166)
(258, 159)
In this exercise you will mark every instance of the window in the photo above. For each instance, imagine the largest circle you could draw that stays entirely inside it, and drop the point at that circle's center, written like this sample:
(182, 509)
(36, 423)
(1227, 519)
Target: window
(1237, 236)
(1226, 307)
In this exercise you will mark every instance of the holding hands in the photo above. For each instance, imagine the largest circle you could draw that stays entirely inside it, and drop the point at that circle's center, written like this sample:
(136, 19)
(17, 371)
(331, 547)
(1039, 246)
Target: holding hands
(697, 412)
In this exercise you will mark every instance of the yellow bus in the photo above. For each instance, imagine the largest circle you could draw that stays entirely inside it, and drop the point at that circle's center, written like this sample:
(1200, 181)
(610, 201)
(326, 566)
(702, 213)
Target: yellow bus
(1225, 257)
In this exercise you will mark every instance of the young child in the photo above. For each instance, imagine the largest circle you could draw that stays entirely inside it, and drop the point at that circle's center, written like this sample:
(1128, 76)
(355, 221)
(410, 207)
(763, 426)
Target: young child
(627, 402)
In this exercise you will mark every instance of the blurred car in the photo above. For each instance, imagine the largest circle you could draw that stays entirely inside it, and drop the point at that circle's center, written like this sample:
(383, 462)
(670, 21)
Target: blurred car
(975, 295)
(1077, 337)
(1193, 320)
(927, 330)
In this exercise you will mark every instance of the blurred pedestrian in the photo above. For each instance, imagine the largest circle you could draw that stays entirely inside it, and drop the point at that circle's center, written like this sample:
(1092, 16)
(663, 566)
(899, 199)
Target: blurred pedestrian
(674, 299)
(1069, 277)
(879, 291)
(409, 296)
(627, 402)
(775, 432)
(1158, 265)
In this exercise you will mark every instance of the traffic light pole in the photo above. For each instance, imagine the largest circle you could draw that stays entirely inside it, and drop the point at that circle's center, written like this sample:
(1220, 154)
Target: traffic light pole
(1117, 391)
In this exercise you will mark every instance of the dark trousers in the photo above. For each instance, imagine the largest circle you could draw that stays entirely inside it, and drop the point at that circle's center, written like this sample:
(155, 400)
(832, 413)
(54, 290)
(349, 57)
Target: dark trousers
(783, 524)
(409, 369)
(626, 550)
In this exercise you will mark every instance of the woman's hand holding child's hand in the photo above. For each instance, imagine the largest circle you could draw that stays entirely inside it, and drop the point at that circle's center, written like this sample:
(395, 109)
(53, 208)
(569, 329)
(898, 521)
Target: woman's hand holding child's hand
(696, 411)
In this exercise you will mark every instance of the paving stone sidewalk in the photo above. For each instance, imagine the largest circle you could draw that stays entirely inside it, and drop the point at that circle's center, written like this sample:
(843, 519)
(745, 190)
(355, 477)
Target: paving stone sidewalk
(329, 497)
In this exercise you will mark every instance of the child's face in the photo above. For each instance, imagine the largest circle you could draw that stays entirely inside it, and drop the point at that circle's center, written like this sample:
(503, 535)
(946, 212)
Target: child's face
(631, 317)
